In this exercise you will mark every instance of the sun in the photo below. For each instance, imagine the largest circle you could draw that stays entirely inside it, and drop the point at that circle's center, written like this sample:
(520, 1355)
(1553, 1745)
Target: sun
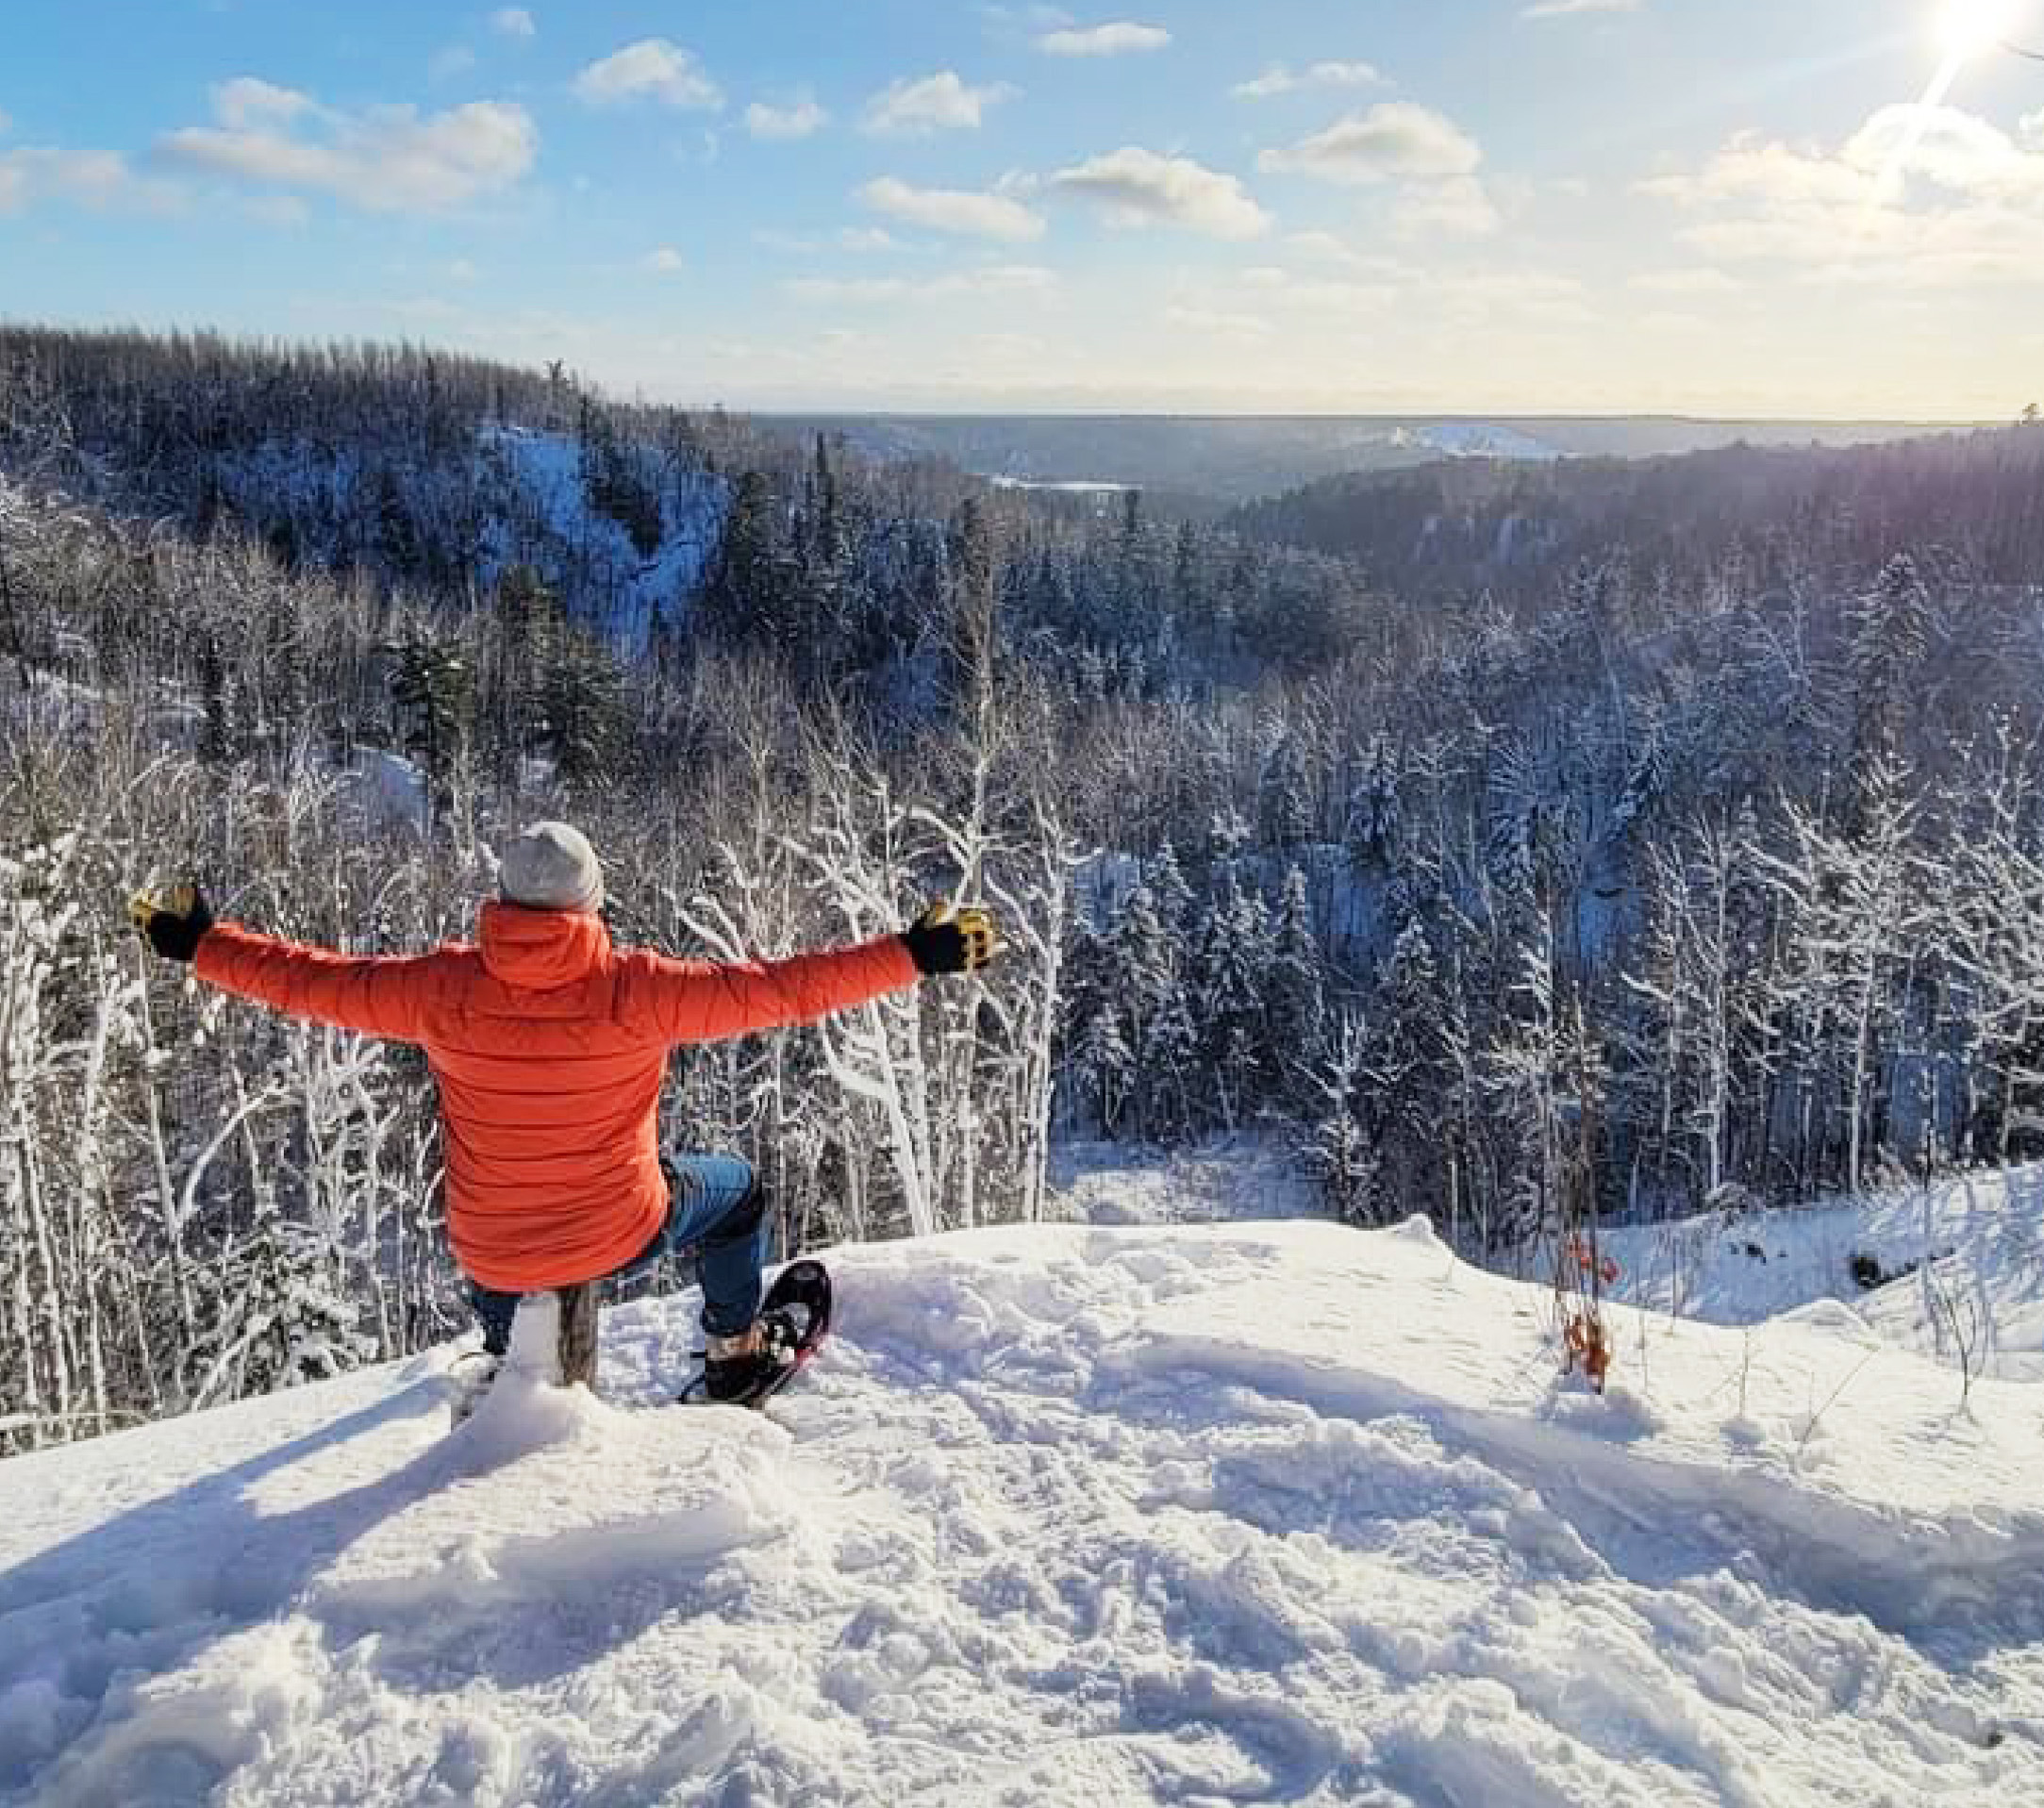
(1973, 27)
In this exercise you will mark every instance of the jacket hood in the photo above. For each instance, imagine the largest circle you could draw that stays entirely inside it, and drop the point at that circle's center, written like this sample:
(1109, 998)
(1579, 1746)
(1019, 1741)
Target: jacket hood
(541, 950)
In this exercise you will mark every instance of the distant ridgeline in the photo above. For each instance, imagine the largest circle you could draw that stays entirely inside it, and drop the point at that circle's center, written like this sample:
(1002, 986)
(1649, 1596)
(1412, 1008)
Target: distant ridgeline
(1791, 518)
(1523, 839)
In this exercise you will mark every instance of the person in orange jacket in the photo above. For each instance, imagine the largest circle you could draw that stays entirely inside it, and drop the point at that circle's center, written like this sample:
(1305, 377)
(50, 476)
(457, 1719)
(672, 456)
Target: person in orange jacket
(549, 1046)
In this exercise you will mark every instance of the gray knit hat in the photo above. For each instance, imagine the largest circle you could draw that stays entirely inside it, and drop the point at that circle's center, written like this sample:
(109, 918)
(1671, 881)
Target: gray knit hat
(551, 867)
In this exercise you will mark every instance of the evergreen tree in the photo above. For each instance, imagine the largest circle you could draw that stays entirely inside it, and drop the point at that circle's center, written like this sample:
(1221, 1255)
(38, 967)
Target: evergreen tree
(1339, 1154)
(525, 616)
(1295, 989)
(279, 1316)
(1372, 829)
(1145, 980)
(581, 694)
(747, 596)
(1106, 1069)
(1232, 969)
(1285, 796)
(1167, 1067)
(396, 534)
(1408, 1063)
(1890, 636)
(1172, 896)
(429, 686)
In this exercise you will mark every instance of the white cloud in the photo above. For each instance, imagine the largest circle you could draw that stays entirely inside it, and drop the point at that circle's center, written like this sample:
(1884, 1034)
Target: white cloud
(1279, 287)
(457, 59)
(2030, 130)
(1534, 297)
(1278, 80)
(246, 102)
(968, 213)
(653, 69)
(514, 22)
(1568, 8)
(864, 239)
(1917, 197)
(1459, 207)
(1104, 41)
(1138, 188)
(986, 281)
(100, 180)
(1668, 320)
(833, 292)
(666, 261)
(1330, 249)
(384, 159)
(799, 119)
(938, 103)
(1218, 322)
(1394, 141)
(1701, 280)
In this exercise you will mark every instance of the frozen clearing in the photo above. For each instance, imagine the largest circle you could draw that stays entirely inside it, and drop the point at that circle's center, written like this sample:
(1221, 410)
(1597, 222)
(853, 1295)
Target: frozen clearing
(1244, 1512)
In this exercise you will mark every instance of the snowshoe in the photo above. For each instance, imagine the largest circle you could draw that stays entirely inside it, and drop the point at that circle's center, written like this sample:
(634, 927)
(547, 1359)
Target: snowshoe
(794, 1318)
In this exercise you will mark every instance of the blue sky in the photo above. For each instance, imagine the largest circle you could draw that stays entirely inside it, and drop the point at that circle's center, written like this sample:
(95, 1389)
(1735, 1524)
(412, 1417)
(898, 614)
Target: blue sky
(1741, 206)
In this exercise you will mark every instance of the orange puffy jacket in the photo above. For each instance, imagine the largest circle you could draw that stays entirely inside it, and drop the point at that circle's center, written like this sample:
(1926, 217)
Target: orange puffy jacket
(549, 1046)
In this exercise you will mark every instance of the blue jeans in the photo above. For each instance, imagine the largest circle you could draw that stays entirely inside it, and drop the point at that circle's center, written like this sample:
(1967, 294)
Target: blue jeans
(715, 1213)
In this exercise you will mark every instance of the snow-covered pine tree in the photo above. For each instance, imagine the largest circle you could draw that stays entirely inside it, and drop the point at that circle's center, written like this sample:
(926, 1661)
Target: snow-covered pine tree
(1891, 629)
(1145, 978)
(1285, 796)
(276, 1314)
(1105, 1069)
(1231, 969)
(1409, 1074)
(1340, 1153)
(1173, 897)
(1295, 989)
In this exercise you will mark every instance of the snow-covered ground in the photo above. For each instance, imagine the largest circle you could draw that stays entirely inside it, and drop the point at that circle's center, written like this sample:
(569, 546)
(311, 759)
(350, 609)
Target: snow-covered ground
(1957, 1269)
(1071, 1513)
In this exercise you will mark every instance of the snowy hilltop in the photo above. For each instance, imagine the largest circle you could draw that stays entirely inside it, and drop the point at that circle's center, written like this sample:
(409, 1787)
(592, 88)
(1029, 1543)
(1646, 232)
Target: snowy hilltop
(1252, 1512)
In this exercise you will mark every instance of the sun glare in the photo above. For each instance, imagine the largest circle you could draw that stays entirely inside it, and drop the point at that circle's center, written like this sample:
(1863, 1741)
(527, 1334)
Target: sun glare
(1973, 27)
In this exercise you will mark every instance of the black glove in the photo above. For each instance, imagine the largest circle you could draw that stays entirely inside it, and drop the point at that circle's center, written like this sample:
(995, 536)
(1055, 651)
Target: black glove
(172, 920)
(942, 941)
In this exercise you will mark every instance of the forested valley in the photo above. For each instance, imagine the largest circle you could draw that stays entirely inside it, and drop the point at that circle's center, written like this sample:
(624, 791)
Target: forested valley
(1501, 844)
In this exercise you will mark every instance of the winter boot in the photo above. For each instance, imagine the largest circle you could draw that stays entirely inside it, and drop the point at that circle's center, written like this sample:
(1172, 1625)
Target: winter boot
(741, 1368)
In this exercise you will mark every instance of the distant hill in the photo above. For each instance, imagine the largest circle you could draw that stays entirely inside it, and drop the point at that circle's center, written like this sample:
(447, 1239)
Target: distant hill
(1238, 459)
(1974, 500)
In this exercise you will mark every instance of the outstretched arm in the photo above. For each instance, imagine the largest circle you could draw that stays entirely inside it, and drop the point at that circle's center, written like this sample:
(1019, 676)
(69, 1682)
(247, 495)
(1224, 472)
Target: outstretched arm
(700, 1002)
(697, 1000)
(374, 994)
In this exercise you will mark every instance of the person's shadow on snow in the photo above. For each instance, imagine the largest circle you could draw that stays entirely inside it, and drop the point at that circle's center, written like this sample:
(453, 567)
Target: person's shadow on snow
(146, 1593)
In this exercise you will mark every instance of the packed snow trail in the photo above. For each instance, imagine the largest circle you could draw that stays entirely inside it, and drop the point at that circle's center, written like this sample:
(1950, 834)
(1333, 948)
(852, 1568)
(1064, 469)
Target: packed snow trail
(1275, 1513)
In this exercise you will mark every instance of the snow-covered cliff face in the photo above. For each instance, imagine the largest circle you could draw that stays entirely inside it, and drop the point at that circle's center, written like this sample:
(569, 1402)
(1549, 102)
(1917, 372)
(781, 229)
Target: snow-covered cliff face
(1062, 1515)
(622, 532)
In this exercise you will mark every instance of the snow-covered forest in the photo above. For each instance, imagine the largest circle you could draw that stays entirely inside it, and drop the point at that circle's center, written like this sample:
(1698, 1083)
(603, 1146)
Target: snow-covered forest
(1492, 843)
